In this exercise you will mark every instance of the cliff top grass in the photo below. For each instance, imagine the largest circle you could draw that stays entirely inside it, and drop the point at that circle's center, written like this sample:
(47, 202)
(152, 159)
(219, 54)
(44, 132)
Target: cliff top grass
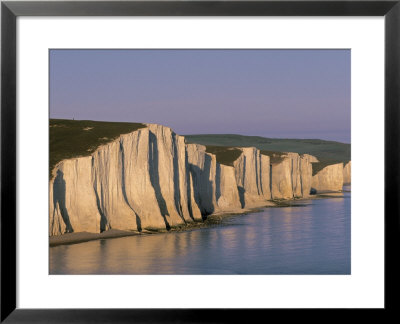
(274, 156)
(75, 138)
(224, 155)
(329, 151)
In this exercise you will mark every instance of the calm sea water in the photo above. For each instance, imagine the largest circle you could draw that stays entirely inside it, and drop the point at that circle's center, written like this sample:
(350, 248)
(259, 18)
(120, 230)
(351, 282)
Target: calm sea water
(310, 239)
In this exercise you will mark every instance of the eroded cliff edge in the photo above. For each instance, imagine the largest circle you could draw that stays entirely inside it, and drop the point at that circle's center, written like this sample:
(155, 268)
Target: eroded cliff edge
(152, 179)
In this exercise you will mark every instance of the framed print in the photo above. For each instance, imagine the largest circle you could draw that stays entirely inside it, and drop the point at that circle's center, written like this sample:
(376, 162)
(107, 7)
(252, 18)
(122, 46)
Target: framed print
(191, 160)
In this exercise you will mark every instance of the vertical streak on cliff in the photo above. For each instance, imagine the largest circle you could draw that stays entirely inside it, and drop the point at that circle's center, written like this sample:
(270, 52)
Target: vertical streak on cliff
(217, 181)
(259, 180)
(194, 207)
(189, 188)
(207, 196)
(103, 219)
(256, 165)
(270, 179)
(123, 186)
(262, 177)
(202, 167)
(301, 177)
(59, 197)
(56, 223)
(292, 176)
(194, 172)
(194, 211)
(265, 176)
(176, 179)
(183, 184)
(154, 177)
(241, 181)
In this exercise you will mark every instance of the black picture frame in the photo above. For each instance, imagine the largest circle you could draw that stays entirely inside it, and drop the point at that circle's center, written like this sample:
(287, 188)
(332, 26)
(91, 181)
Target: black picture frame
(10, 10)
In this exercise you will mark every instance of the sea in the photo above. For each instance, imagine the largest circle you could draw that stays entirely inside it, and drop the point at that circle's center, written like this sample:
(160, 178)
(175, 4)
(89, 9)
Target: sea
(308, 237)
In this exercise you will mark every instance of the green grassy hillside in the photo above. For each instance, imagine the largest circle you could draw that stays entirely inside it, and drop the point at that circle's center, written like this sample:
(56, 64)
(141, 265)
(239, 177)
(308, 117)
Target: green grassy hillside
(73, 138)
(327, 152)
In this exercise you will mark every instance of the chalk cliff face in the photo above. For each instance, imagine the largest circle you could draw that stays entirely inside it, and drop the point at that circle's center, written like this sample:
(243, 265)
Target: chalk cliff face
(138, 181)
(266, 176)
(227, 191)
(202, 167)
(72, 200)
(306, 161)
(328, 179)
(281, 184)
(295, 174)
(347, 173)
(291, 176)
(214, 186)
(151, 179)
(252, 173)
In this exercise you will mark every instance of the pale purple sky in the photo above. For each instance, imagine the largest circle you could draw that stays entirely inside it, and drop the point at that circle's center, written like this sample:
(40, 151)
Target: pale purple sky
(271, 93)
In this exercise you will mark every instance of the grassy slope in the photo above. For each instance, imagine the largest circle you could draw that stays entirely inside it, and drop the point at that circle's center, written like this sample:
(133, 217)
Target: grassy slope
(68, 138)
(327, 152)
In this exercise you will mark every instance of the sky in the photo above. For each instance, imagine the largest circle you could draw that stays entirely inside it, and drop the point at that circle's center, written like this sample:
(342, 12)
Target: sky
(270, 93)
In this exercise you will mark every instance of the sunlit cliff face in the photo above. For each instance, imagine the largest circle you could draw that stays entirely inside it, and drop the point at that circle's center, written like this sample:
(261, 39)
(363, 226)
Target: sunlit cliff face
(152, 179)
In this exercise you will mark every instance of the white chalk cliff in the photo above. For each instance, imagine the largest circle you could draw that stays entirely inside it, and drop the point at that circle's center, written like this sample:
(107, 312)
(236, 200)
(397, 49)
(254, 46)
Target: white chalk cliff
(292, 176)
(347, 173)
(329, 179)
(252, 173)
(151, 178)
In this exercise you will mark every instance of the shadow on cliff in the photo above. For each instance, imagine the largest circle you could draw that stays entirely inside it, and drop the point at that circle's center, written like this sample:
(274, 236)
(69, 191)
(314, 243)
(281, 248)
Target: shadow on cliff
(203, 187)
(241, 189)
(241, 196)
(270, 179)
(189, 188)
(103, 219)
(138, 221)
(217, 181)
(59, 189)
(177, 193)
(155, 179)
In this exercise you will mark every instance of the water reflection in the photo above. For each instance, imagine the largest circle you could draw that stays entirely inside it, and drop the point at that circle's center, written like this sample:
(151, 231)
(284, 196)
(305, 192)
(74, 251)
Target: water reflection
(311, 239)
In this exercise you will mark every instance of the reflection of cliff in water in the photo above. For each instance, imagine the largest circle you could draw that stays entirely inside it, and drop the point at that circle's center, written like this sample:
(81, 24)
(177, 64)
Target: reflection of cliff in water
(310, 239)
